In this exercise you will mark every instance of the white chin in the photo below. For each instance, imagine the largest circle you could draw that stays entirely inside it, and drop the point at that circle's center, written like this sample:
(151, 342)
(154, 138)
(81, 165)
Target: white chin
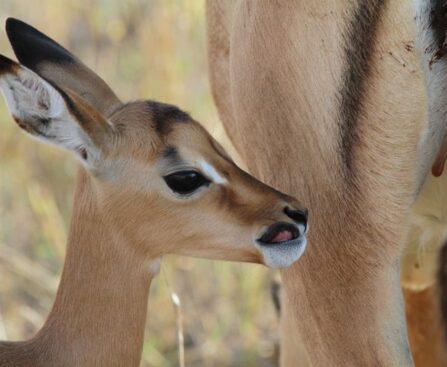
(281, 255)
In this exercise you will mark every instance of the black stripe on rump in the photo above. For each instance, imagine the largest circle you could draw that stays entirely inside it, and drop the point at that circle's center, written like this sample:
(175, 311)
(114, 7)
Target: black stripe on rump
(359, 44)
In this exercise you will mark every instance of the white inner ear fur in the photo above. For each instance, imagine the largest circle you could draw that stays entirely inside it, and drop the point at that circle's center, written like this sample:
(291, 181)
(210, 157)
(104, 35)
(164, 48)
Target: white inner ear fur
(27, 96)
(42, 111)
(211, 172)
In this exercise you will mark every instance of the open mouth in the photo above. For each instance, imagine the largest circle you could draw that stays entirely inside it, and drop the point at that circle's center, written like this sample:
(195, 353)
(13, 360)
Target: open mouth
(279, 233)
(282, 244)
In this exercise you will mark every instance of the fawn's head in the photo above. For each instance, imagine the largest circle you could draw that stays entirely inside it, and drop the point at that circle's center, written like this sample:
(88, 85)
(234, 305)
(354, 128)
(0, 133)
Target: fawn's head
(164, 182)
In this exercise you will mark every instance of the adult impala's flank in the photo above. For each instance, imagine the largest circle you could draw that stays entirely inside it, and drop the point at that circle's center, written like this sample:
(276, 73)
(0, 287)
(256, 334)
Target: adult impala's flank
(152, 182)
(354, 94)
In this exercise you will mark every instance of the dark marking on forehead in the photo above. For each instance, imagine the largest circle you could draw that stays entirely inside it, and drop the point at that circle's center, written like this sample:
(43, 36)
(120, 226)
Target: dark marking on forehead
(172, 155)
(169, 152)
(164, 115)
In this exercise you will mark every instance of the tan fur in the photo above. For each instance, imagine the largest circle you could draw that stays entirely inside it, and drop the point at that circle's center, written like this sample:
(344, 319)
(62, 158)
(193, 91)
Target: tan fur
(425, 331)
(125, 218)
(276, 70)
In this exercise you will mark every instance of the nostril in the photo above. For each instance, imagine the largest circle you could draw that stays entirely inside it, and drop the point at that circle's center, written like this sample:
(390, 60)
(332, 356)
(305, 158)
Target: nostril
(298, 216)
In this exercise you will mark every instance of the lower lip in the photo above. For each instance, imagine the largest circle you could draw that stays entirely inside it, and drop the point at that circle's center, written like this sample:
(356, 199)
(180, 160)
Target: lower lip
(282, 254)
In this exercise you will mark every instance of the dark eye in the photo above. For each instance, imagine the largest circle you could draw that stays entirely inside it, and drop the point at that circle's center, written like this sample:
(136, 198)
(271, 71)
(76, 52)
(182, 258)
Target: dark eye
(185, 182)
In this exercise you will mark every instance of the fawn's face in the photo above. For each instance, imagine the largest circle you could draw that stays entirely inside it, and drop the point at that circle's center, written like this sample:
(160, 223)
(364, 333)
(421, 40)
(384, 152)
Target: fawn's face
(163, 181)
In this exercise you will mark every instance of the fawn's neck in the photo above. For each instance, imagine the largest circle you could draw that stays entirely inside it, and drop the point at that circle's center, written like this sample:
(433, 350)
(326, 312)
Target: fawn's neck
(100, 309)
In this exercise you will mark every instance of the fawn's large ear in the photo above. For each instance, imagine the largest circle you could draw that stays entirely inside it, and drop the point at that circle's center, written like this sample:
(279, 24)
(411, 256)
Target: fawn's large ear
(47, 58)
(51, 114)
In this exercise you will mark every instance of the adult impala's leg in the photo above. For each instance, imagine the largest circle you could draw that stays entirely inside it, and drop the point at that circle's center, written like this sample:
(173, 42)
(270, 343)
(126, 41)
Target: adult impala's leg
(425, 329)
(428, 231)
(323, 91)
(219, 18)
(419, 273)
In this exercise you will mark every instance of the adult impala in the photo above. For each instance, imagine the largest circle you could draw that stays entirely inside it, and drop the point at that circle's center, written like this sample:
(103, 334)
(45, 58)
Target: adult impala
(349, 99)
(152, 182)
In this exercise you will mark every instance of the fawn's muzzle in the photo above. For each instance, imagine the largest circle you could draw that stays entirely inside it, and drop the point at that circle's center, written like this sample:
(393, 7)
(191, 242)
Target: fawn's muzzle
(283, 243)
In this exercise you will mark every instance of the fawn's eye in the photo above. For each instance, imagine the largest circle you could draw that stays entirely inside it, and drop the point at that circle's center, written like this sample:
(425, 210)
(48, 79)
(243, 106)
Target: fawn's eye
(185, 182)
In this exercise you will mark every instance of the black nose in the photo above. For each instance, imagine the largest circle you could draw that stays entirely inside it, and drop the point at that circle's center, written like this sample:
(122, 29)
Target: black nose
(298, 216)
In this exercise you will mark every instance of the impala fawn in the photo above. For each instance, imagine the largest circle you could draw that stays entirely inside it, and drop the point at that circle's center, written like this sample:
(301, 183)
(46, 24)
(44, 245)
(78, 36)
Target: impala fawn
(152, 181)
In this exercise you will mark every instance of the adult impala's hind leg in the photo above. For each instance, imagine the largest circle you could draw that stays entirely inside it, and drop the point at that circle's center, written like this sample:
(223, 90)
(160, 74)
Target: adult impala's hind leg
(419, 276)
(219, 19)
(425, 329)
(429, 214)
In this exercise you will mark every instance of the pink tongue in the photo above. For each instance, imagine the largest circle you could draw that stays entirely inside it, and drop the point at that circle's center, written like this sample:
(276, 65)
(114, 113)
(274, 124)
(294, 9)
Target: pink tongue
(282, 236)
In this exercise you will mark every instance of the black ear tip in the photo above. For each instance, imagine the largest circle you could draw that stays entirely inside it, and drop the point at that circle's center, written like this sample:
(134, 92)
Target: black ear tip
(32, 47)
(10, 21)
(14, 26)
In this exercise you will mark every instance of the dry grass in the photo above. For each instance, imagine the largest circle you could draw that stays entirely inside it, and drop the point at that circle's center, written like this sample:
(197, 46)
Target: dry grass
(143, 48)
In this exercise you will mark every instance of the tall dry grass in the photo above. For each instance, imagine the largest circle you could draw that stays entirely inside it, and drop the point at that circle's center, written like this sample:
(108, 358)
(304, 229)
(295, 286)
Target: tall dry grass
(148, 48)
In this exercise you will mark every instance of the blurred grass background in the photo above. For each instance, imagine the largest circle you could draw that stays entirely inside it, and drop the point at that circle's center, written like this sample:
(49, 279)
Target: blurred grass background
(144, 48)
